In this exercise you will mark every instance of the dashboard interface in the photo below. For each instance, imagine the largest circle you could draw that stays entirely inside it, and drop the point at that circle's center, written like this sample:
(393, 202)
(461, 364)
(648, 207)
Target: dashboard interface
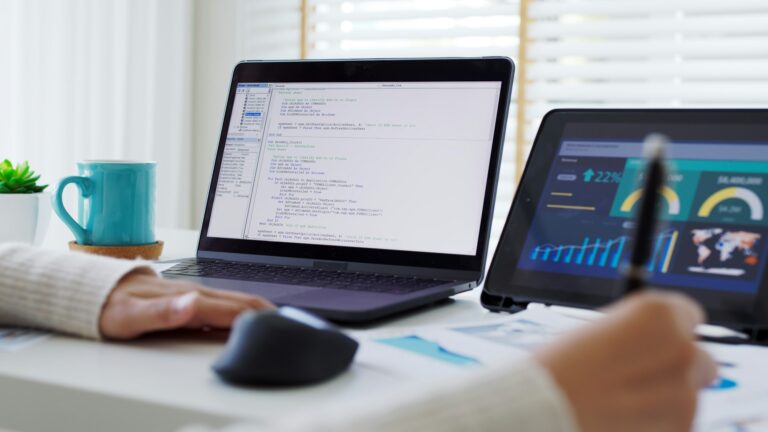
(714, 226)
(383, 165)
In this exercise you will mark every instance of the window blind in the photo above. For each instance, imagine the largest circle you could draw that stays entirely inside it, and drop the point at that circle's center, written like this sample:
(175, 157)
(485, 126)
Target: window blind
(269, 29)
(574, 53)
(654, 53)
(421, 28)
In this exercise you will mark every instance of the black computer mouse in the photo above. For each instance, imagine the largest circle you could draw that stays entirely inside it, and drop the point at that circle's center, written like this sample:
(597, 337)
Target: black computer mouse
(285, 346)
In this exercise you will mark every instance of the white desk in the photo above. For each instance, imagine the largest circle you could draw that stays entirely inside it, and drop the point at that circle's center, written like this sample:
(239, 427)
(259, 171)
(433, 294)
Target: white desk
(160, 383)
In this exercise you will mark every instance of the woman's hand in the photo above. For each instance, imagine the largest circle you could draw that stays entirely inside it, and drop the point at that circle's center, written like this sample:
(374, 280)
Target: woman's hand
(143, 303)
(636, 369)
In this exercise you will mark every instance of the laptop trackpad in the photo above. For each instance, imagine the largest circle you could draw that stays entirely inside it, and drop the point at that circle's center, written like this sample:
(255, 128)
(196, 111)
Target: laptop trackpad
(267, 290)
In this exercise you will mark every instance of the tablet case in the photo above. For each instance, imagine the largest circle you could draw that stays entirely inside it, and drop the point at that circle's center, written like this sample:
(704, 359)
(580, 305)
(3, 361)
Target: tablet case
(497, 302)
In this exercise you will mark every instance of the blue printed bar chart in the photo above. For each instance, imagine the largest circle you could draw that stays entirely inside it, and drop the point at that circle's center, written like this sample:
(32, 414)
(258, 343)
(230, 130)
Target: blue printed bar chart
(606, 252)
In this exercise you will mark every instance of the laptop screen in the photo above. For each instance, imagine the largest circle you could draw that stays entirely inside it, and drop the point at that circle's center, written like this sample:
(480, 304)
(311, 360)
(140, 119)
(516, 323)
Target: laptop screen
(382, 165)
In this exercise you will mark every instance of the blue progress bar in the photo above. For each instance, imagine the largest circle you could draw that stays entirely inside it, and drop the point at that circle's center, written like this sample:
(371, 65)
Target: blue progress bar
(580, 257)
(617, 254)
(655, 252)
(666, 254)
(604, 255)
(594, 252)
(569, 255)
(546, 254)
(535, 253)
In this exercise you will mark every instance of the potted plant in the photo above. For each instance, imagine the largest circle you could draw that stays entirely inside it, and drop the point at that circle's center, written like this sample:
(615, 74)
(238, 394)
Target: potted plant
(25, 209)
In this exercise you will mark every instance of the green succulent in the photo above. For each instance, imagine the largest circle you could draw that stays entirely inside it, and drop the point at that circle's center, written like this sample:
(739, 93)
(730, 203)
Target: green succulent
(19, 180)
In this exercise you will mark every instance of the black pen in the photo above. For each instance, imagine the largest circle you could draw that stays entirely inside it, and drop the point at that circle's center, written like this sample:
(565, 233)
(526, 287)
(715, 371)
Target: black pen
(636, 272)
(648, 215)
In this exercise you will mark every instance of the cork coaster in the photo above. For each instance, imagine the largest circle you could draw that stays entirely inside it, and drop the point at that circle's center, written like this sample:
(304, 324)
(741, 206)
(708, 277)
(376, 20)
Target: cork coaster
(149, 252)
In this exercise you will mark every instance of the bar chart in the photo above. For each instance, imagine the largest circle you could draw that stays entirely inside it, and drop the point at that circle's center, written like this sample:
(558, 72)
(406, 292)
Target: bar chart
(609, 253)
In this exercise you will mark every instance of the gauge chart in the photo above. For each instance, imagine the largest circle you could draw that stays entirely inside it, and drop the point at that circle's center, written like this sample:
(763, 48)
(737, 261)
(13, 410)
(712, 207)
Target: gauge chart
(670, 196)
(747, 202)
(677, 194)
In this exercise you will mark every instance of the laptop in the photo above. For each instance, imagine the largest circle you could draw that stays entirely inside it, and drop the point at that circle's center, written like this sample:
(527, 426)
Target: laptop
(354, 189)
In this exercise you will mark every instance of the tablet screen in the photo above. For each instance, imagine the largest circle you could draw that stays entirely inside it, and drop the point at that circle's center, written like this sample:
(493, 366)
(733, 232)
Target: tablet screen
(714, 226)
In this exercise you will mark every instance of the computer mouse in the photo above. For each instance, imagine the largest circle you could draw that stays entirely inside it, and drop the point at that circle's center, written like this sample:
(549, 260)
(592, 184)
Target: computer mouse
(282, 347)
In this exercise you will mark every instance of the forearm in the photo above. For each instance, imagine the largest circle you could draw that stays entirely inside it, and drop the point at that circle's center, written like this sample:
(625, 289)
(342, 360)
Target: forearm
(57, 290)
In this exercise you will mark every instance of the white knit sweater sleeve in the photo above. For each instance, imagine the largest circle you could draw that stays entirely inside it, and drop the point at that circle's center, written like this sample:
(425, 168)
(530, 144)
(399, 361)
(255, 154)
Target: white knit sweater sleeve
(520, 396)
(66, 292)
(62, 291)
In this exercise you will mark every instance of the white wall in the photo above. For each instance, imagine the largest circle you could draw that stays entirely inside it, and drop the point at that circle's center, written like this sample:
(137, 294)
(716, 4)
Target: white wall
(215, 55)
(96, 79)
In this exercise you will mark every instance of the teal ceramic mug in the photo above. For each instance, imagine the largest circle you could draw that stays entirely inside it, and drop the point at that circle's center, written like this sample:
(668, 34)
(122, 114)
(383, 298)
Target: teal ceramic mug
(116, 204)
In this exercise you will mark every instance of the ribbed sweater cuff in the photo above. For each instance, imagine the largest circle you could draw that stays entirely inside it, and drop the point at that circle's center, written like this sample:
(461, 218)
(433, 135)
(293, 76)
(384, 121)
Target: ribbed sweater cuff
(58, 290)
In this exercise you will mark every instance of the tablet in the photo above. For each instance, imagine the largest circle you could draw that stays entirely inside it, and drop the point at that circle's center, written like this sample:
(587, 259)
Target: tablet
(569, 231)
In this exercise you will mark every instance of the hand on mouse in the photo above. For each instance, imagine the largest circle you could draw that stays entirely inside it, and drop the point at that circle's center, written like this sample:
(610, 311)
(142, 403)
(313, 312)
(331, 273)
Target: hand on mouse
(636, 369)
(143, 303)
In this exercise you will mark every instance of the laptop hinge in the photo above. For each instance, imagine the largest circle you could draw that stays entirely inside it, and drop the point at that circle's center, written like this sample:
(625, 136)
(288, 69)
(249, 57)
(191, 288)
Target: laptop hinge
(330, 265)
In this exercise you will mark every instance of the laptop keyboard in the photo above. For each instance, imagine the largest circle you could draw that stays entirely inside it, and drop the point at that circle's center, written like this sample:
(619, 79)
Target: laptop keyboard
(302, 276)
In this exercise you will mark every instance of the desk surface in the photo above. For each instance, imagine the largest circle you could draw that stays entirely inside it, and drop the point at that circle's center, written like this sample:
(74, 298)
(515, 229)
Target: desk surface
(162, 382)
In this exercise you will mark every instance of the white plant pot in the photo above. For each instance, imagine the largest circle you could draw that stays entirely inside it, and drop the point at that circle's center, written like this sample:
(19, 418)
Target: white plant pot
(24, 217)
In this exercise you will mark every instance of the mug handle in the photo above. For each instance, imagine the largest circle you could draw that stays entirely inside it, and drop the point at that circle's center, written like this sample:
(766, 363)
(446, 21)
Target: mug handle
(86, 189)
